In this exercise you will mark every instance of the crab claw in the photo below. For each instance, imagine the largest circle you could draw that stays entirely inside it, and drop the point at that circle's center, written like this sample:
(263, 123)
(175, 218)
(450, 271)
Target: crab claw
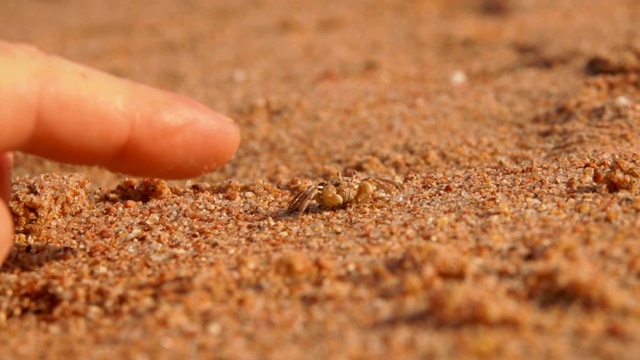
(330, 196)
(365, 189)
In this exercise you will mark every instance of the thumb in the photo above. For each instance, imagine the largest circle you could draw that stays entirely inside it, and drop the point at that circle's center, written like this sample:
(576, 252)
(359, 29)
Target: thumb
(6, 222)
(6, 231)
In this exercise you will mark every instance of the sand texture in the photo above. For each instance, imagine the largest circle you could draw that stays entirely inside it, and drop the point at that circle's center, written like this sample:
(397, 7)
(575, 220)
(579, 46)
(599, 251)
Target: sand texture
(511, 127)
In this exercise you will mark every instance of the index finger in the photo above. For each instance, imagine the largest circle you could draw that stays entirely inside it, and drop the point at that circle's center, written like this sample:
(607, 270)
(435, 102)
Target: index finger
(70, 113)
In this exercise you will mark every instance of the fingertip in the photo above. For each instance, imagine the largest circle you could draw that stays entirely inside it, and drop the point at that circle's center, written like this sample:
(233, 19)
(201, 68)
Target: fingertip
(220, 135)
(187, 139)
(232, 141)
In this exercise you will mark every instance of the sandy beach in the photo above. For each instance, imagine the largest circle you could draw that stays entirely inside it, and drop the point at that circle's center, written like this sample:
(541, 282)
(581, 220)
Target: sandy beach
(511, 128)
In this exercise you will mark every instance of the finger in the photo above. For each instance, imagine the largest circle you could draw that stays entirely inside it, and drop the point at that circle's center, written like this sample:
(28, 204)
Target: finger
(70, 113)
(6, 231)
(6, 222)
(6, 164)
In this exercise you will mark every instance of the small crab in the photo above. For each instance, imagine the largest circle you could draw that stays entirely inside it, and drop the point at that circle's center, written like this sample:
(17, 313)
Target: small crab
(340, 191)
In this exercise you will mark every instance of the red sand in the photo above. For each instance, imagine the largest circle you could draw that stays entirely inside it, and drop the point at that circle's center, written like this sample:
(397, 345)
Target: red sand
(511, 125)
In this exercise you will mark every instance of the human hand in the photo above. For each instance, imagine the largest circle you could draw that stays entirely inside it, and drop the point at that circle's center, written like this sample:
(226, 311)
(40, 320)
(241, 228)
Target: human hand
(70, 113)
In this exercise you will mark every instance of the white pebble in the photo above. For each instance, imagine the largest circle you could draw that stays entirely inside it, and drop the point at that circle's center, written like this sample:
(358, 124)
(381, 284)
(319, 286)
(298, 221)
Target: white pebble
(622, 101)
(458, 77)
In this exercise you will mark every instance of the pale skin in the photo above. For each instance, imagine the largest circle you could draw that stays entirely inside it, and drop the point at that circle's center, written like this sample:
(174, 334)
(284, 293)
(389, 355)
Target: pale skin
(67, 112)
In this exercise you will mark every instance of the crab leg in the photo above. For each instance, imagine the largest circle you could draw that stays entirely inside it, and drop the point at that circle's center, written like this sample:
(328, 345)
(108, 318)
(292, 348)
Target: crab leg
(301, 201)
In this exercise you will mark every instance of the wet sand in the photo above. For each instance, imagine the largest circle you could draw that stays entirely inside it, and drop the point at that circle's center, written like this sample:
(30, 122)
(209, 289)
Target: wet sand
(511, 127)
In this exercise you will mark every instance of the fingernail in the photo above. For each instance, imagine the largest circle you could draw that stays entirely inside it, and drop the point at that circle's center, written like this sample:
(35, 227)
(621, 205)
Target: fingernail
(201, 108)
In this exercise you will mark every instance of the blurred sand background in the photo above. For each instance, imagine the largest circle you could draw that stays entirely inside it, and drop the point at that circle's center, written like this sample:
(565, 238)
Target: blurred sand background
(512, 126)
